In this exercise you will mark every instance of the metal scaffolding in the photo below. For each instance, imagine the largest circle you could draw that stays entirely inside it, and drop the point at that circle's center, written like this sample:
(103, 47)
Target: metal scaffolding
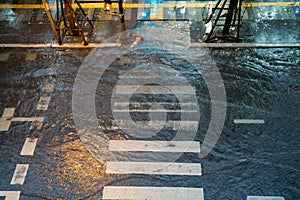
(226, 16)
(69, 22)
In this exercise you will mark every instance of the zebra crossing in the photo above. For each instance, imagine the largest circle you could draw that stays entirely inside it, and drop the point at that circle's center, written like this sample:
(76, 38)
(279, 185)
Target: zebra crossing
(153, 168)
(147, 159)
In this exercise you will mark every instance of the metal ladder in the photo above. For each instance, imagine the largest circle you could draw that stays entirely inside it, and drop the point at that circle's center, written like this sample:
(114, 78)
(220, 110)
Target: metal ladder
(232, 19)
(62, 28)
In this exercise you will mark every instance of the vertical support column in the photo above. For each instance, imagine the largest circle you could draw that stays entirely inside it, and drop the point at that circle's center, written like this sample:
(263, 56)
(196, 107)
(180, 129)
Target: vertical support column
(229, 16)
(239, 18)
(71, 18)
(121, 12)
(57, 10)
(55, 31)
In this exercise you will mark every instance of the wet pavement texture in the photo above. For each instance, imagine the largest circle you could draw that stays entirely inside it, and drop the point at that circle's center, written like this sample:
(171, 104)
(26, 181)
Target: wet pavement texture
(259, 159)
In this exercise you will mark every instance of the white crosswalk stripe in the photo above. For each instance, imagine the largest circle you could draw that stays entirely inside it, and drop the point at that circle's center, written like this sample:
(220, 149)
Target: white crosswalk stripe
(131, 89)
(249, 121)
(154, 146)
(43, 103)
(19, 174)
(29, 147)
(152, 193)
(184, 169)
(173, 125)
(10, 195)
(264, 198)
(184, 107)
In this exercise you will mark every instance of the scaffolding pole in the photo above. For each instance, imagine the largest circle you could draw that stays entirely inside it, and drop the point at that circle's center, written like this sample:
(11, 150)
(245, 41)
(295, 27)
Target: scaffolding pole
(52, 23)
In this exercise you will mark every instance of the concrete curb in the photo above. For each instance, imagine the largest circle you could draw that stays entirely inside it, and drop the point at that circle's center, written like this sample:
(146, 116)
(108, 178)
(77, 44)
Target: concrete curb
(243, 45)
(63, 46)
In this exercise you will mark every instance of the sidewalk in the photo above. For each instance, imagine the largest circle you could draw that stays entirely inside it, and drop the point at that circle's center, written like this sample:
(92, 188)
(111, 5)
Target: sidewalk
(14, 30)
(260, 25)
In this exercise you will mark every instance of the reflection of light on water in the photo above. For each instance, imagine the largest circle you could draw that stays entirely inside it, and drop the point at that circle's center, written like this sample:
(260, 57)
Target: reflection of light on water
(297, 10)
(76, 166)
(271, 14)
(276, 12)
(8, 14)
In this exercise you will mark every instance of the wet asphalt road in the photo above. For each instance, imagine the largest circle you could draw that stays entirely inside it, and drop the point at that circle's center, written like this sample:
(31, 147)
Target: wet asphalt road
(248, 159)
(259, 158)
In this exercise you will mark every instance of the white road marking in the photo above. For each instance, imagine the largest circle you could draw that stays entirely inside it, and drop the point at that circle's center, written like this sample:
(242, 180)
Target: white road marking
(4, 57)
(145, 75)
(264, 198)
(152, 193)
(27, 119)
(174, 125)
(48, 86)
(4, 124)
(139, 104)
(131, 89)
(190, 169)
(29, 147)
(43, 103)
(31, 56)
(151, 110)
(36, 122)
(19, 174)
(10, 195)
(142, 107)
(154, 146)
(5, 120)
(8, 113)
(142, 77)
(249, 121)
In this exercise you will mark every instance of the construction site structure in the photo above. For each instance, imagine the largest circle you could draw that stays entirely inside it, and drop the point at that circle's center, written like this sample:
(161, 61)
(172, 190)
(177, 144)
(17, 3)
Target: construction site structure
(73, 22)
(224, 21)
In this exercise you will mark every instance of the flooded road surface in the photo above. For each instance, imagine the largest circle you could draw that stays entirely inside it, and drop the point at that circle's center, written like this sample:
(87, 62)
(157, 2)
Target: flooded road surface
(154, 92)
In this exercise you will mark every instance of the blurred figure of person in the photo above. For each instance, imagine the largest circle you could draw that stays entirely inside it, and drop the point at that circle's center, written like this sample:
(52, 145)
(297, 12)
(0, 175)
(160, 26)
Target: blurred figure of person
(138, 40)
